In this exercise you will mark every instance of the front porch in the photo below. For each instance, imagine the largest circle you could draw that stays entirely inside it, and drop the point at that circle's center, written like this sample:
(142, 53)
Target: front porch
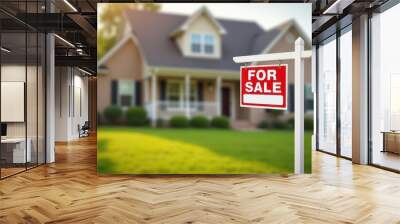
(168, 95)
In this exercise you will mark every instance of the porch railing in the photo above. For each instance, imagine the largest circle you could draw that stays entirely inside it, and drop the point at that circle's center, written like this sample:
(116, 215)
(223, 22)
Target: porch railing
(166, 109)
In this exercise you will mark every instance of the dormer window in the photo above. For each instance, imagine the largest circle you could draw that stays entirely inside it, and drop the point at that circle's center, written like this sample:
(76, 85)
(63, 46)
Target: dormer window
(196, 43)
(202, 44)
(209, 43)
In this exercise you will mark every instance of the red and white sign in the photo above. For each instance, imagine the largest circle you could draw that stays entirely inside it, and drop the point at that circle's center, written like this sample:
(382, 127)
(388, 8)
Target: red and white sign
(264, 86)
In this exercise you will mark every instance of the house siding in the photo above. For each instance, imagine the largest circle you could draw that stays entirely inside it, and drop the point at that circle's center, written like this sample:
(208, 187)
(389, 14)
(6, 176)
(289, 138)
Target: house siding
(127, 64)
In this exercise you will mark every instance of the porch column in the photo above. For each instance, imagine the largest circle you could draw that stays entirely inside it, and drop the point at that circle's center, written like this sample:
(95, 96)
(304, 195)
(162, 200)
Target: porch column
(187, 96)
(146, 102)
(218, 95)
(145, 91)
(154, 100)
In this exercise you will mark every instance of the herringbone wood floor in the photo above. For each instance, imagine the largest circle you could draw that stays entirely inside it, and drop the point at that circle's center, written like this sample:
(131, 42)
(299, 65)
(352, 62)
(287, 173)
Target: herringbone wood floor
(70, 191)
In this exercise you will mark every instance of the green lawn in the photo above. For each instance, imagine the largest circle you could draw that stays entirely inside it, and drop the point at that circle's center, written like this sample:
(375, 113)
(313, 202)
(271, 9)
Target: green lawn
(127, 150)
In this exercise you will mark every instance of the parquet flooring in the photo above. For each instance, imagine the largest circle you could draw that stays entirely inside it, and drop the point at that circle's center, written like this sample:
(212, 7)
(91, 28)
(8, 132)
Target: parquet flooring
(70, 191)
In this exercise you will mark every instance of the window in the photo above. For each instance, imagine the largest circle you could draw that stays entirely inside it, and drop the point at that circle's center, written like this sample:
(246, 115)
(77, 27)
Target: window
(174, 94)
(202, 44)
(327, 96)
(196, 43)
(308, 98)
(208, 44)
(193, 94)
(126, 93)
(22, 86)
(346, 94)
(385, 89)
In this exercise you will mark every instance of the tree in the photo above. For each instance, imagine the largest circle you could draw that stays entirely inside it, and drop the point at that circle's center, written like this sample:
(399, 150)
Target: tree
(111, 22)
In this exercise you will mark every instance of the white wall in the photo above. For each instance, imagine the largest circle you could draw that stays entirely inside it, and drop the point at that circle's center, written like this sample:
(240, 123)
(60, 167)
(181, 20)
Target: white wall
(71, 87)
(62, 82)
(15, 73)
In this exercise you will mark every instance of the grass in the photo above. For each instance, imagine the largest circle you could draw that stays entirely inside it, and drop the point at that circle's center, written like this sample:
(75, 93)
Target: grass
(126, 150)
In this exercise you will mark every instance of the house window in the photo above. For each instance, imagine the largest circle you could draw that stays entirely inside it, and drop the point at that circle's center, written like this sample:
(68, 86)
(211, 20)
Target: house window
(196, 43)
(209, 44)
(308, 98)
(174, 94)
(202, 43)
(193, 94)
(126, 93)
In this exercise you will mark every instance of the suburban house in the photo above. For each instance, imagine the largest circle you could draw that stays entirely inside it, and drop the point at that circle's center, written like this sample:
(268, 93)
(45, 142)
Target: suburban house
(176, 64)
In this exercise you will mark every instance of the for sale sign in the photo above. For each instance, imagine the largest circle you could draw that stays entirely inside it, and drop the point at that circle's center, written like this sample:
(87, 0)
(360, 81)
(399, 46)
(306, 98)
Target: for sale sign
(264, 86)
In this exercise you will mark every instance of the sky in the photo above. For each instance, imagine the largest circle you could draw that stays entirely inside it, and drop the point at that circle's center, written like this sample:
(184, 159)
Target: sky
(266, 15)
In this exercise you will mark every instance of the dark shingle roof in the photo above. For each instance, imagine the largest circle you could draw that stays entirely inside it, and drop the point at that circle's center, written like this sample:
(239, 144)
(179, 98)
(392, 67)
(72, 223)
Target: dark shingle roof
(153, 31)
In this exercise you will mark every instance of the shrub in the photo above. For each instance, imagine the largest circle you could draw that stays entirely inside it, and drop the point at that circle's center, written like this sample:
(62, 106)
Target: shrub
(179, 122)
(112, 114)
(136, 116)
(99, 118)
(290, 123)
(263, 125)
(220, 122)
(199, 122)
(160, 123)
(277, 124)
(275, 113)
(308, 123)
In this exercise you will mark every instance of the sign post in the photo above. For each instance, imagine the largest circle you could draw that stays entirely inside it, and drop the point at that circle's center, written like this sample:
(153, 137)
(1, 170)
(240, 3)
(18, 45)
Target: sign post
(265, 101)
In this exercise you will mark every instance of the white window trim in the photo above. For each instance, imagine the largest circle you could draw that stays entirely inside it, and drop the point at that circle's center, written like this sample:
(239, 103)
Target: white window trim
(204, 43)
(133, 102)
(202, 52)
(181, 95)
(201, 43)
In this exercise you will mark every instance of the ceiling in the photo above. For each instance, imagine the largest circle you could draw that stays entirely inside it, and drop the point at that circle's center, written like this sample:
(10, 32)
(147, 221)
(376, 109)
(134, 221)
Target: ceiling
(332, 15)
(75, 23)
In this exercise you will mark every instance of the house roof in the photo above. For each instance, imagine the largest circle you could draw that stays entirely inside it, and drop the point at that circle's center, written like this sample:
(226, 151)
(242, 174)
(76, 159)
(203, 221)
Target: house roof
(203, 11)
(152, 30)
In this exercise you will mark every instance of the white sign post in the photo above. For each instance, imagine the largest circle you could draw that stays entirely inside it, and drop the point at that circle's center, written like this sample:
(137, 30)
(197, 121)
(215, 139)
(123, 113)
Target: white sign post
(298, 56)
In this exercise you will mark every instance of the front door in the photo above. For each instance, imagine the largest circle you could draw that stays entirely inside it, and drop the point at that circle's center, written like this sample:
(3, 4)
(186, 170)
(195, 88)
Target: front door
(226, 101)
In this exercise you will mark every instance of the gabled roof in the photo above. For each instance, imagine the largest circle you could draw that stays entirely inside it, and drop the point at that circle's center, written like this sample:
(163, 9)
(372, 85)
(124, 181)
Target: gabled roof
(284, 28)
(152, 31)
(202, 11)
